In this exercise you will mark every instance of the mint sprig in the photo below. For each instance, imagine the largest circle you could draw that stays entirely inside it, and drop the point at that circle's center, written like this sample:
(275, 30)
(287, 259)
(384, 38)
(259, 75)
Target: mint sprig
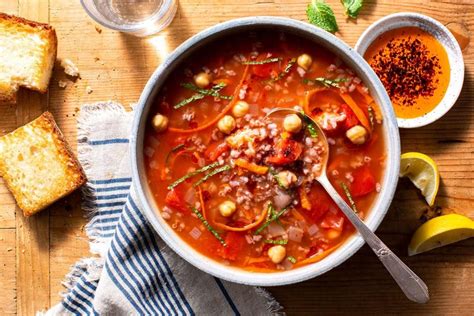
(352, 7)
(321, 15)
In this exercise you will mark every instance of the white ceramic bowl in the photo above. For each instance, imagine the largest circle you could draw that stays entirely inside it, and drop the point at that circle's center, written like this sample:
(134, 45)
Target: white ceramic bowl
(444, 36)
(319, 37)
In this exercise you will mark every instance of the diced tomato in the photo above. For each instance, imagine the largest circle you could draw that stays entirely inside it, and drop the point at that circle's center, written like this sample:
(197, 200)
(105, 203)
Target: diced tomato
(263, 70)
(286, 151)
(364, 182)
(321, 203)
(214, 150)
(174, 199)
(351, 119)
(235, 243)
(333, 221)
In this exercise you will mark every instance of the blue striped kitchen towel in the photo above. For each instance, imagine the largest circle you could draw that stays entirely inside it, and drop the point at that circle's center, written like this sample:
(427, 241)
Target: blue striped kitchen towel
(133, 271)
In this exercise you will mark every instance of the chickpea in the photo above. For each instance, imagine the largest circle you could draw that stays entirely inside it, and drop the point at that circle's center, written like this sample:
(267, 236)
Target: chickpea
(292, 123)
(226, 124)
(240, 109)
(304, 61)
(227, 208)
(277, 253)
(160, 123)
(357, 134)
(202, 79)
(286, 178)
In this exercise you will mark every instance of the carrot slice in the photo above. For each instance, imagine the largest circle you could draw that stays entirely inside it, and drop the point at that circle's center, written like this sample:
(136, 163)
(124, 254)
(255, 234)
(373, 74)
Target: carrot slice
(201, 199)
(242, 163)
(368, 99)
(305, 202)
(165, 170)
(318, 257)
(218, 116)
(357, 111)
(263, 216)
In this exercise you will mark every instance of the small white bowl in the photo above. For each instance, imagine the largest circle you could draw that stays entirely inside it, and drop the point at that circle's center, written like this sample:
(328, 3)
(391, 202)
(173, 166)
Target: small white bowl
(444, 36)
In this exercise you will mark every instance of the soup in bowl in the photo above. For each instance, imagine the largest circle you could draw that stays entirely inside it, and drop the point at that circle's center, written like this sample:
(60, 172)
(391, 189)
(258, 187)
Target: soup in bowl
(233, 189)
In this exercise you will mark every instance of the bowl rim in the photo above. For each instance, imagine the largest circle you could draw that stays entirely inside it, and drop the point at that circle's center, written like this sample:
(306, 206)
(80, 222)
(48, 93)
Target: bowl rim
(439, 31)
(353, 243)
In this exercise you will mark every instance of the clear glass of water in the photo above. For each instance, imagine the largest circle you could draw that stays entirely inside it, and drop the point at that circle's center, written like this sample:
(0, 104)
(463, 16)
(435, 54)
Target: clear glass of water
(137, 17)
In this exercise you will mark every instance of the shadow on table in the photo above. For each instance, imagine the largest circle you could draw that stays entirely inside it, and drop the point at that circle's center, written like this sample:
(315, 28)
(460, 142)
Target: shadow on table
(148, 52)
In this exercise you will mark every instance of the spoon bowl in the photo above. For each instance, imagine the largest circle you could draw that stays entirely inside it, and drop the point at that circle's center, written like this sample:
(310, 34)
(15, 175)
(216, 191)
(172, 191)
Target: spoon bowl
(412, 286)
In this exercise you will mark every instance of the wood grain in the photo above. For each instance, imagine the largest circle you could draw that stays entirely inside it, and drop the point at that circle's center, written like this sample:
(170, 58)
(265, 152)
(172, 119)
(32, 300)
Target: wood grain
(32, 234)
(117, 66)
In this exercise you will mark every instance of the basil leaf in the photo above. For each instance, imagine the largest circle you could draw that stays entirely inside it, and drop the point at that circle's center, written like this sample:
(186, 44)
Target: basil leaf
(352, 7)
(321, 15)
(262, 62)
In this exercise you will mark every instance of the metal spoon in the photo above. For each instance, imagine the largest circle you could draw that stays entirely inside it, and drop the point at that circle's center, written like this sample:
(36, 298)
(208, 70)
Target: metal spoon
(413, 287)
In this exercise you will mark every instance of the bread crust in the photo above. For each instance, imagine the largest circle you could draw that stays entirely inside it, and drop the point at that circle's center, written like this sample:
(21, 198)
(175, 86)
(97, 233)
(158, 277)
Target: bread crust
(64, 182)
(50, 33)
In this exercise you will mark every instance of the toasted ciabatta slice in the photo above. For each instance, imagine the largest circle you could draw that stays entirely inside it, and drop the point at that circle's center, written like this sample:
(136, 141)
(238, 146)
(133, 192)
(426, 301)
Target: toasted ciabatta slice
(37, 164)
(27, 54)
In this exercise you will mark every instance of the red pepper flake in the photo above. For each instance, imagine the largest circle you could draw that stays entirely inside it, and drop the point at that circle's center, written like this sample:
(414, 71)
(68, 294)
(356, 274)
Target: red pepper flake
(407, 69)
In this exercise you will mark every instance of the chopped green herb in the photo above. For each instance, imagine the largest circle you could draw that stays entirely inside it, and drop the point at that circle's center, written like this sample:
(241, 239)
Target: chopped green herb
(287, 69)
(208, 226)
(321, 15)
(277, 178)
(270, 220)
(349, 197)
(214, 91)
(291, 259)
(211, 174)
(312, 130)
(326, 82)
(371, 116)
(262, 62)
(276, 241)
(192, 174)
(352, 7)
(271, 211)
(184, 102)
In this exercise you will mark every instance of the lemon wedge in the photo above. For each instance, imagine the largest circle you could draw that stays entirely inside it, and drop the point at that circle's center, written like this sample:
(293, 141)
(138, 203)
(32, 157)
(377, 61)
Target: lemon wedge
(440, 231)
(423, 172)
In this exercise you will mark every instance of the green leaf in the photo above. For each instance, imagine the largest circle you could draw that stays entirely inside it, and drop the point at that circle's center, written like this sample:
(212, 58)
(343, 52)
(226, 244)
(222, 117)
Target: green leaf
(214, 91)
(262, 62)
(291, 259)
(321, 15)
(276, 241)
(352, 7)
(275, 217)
(188, 100)
(192, 174)
(349, 197)
(326, 82)
(287, 69)
(211, 174)
(208, 226)
(312, 130)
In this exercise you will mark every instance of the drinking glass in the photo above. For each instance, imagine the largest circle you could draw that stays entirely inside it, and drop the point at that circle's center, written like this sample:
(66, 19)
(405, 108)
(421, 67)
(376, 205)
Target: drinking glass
(137, 17)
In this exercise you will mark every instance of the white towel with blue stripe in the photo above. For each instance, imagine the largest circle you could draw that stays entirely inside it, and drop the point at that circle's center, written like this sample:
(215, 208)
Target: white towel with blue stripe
(134, 272)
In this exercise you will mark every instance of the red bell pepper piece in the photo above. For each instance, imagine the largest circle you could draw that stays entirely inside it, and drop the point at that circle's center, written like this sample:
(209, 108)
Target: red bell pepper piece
(286, 151)
(364, 182)
(174, 199)
(235, 242)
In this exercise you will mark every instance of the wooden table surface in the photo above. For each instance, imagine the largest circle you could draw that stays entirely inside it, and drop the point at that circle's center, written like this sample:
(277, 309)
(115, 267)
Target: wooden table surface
(36, 253)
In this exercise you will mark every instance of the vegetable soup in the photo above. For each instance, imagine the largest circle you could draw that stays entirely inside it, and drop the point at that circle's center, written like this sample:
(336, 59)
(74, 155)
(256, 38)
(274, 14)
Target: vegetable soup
(239, 186)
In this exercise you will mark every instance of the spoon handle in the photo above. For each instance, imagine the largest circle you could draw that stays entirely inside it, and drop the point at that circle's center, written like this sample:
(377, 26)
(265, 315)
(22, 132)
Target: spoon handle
(413, 287)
